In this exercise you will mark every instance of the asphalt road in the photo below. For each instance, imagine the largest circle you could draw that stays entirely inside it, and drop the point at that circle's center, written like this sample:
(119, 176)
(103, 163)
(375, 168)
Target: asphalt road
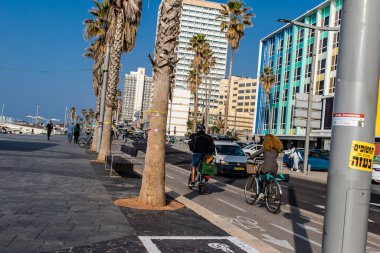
(291, 230)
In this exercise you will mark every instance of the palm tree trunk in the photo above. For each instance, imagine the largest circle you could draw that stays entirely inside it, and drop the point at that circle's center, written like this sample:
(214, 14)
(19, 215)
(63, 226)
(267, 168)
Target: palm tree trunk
(269, 115)
(113, 80)
(105, 148)
(152, 191)
(97, 110)
(228, 93)
(195, 115)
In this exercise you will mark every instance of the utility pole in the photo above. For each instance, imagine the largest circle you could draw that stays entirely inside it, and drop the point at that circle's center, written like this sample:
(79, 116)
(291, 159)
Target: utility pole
(103, 98)
(349, 178)
(37, 115)
(65, 123)
(170, 114)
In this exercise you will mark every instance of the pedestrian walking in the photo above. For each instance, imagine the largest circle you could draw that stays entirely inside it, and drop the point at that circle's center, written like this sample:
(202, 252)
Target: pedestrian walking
(125, 136)
(49, 128)
(296, 156)
(70, 132)
(76, 133)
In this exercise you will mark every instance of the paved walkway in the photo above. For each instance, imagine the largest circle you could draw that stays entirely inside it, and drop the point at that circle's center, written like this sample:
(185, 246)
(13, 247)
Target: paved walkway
(52, 199)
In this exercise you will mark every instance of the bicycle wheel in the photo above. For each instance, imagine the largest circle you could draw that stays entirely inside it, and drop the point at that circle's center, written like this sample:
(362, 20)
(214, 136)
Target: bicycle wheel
(251, 190)
(203, 183)
(273, 196)
(188, 183)
(82, 142)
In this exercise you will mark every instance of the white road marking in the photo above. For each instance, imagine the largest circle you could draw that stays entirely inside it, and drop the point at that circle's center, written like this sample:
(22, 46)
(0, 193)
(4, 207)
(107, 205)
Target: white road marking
(170, 177)
(297, 235)
(152, 248)
(323, 196)
(374, 204)
(319, 206)
(377, 245)
(244, 222)
(227, 203)
(306, 227)
(371, 221)
(282, 243)
(224, 188)
(374, 210)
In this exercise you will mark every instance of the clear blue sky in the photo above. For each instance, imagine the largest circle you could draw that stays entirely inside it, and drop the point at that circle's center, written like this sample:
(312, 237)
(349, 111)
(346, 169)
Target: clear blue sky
(42, 40)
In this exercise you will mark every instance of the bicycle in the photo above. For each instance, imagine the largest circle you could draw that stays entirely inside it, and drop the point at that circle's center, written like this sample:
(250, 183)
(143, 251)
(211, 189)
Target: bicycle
(204, 172)
(86, 142)
(271, 187)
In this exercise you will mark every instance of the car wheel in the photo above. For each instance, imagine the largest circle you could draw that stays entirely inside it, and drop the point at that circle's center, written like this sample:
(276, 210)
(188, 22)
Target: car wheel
(247, 154)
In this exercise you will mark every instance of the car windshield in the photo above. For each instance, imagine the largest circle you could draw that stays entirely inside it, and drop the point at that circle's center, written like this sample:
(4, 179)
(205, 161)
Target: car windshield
(229, 150)
(249, 146)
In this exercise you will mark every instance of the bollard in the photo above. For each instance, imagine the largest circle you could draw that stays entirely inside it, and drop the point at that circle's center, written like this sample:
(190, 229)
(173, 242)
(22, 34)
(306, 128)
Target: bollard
(308, 169)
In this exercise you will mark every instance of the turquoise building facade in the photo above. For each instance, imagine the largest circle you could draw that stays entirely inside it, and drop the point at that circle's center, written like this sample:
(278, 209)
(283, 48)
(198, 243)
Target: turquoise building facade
(288, 52)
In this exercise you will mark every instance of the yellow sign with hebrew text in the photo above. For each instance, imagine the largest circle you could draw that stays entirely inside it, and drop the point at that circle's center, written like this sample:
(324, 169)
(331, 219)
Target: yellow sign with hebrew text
(361, 156)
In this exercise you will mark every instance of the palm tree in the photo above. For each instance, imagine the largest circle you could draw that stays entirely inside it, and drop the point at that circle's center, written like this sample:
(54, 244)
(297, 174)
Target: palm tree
(235, 17)
(267, 79)
(91, 113)
(72, 114)
(124, 19)
(197, 44)
(152, 191)
(208, 63)
(97, 29)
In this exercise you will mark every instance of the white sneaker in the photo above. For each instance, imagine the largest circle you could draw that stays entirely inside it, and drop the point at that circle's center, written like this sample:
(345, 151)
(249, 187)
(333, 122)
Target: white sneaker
(261, 196)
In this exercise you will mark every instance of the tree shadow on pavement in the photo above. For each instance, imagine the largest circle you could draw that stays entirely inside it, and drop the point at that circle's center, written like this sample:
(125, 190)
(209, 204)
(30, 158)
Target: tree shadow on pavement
(24, 146)
(298, 228)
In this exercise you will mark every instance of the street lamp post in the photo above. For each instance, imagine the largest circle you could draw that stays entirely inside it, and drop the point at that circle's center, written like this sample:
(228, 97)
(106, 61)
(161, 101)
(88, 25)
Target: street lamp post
(311, 85)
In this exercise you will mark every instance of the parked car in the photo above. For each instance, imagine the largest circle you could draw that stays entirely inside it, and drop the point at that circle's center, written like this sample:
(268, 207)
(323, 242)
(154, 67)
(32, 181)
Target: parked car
(318, 159)
(376, 170)
(243, 144)
(229, 158)
(250, 149)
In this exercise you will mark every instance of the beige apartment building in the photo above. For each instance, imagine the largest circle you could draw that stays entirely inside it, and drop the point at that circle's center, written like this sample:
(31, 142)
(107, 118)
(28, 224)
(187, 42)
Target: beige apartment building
(241, 111)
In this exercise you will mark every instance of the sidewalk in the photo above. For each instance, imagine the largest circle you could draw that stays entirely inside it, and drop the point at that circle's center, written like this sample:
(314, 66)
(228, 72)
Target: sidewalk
(53, 200)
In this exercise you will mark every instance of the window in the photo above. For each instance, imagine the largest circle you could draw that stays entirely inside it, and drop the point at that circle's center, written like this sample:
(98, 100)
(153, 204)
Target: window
(248, 85)
(235, 82)
(240, 97)
(309, 52)
(241, 91)
(334, 61)
(325, 21)
(239, 110)
(234, 95)
(270, 65)
(286, 77)
(246, 97)
(280, 45)
(336, 40)
(253, 90)
(289, 41)
(233, 101)
(296, 90)
(300, 36)
(306, 87)
(275, 96)
(253, 97)
(338, 17)
(235, 88)
(233, 107)
(241, 84)
(283, 117)
(246, 103)
(274, 118)
(319, 87)
(311, 31)
(297, 74)
(284, 94)
(246, 110)
(279, 63)
(287, 59)
(322, 66)
(308, 71)
(240, 104)
(252, 103)
(299, 54)
(271, 48)
(332, 85)
(252, 110)
(323, 45)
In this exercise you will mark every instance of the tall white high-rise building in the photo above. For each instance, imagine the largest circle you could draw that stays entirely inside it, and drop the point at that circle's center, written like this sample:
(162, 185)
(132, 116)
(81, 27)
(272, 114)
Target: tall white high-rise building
(197, 17)
(137, 92)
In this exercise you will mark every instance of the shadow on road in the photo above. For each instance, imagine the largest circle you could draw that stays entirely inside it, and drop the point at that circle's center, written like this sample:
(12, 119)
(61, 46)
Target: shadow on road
(298, 225)
(24, 146)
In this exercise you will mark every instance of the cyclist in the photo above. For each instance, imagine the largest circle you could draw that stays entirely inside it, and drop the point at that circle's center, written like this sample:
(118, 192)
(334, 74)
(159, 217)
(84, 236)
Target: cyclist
(201, 144)
(272, 146)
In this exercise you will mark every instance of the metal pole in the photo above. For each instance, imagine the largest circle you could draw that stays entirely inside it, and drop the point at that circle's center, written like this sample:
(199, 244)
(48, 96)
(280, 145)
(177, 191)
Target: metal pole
(65, 123)
(37, 115)
(310, 100)
(103, 98)
(208, 104)
(349, 177)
